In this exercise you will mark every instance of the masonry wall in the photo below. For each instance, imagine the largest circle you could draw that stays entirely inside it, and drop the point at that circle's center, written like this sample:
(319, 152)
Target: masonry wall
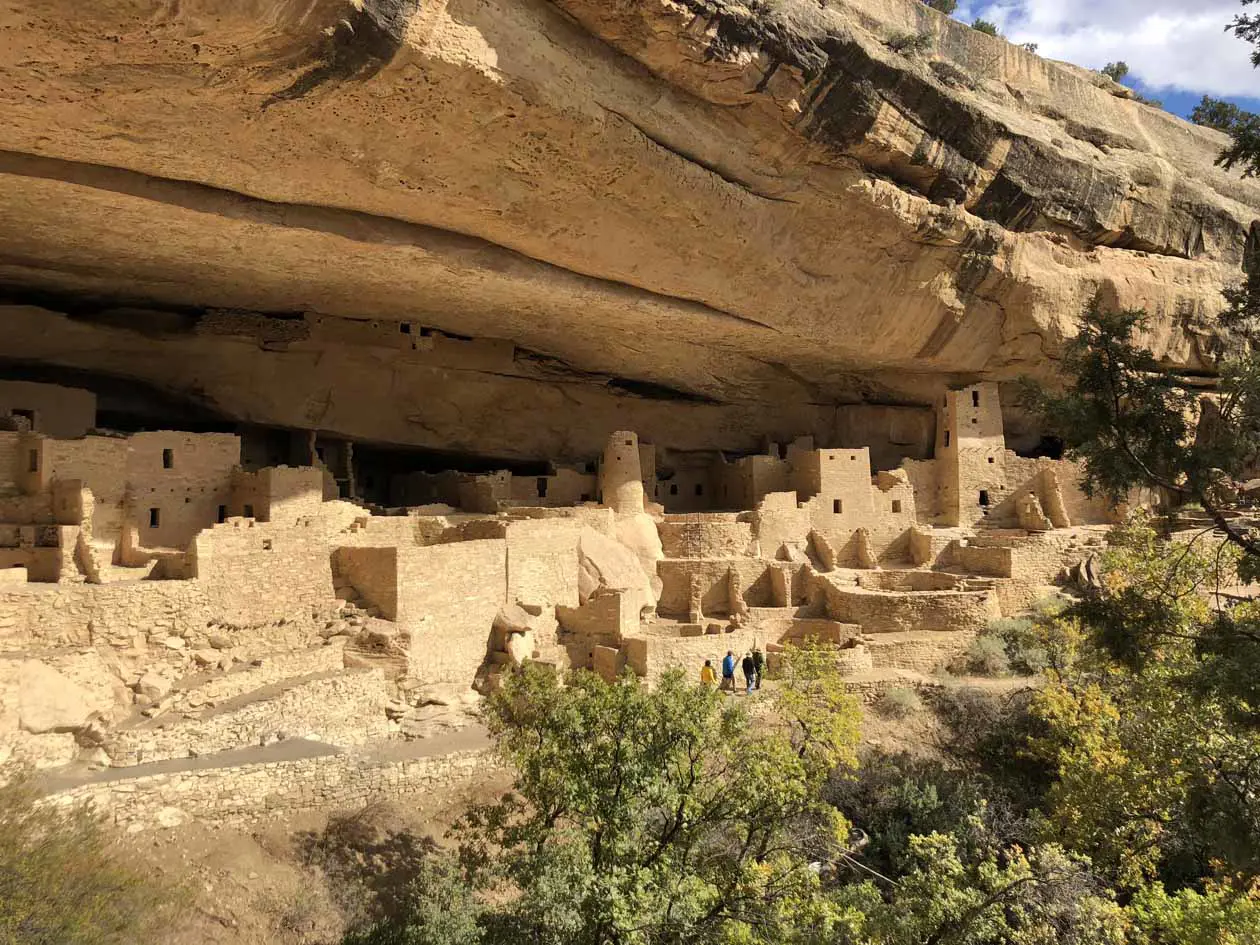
(374, 574)
(100, 463)
(884, 612)
(753, 576)
(542, 561)
(342, 710)
(233, 795)
(59, 411)
(281, 494)
(448, 596)
(10, 451)
(185, 477)
(778, 520)
(117, 615)
(567, 487)
(282, 569)
(701, 535)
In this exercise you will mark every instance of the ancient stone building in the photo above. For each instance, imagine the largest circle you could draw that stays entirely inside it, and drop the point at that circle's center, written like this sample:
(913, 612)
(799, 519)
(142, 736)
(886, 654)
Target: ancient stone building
(159, 601)
(354, 352)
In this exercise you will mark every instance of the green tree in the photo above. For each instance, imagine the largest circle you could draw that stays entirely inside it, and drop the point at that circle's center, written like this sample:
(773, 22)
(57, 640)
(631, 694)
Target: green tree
(943, 6)
(655, 815)
(1013, 896)
(984, 26)
(1115, 71)
(1216, 916)
(1137, 424)
(1245, 149)
(62, 882)
(1153, 768)
(1219, 114)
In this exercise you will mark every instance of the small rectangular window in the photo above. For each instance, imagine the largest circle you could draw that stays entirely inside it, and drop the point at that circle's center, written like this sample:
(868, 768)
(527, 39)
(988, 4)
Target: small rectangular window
(699, 489)
(222, 514)
(673, 488)
(896, 505)
(266, 544)
(990, 460)
(542, 487)
(168, 459)
(947, 438)
(836, 506)
(984, 498)
(249, 511)
(404, 327)
(975, 398)
(155, 518)
(33, 461)
(629, 442)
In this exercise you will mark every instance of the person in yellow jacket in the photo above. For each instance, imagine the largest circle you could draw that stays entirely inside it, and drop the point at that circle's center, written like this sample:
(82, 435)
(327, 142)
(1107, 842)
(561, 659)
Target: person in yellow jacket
(707, 675)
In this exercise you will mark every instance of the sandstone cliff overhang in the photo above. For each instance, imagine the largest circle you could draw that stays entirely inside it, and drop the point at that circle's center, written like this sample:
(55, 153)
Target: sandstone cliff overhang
(708, 220)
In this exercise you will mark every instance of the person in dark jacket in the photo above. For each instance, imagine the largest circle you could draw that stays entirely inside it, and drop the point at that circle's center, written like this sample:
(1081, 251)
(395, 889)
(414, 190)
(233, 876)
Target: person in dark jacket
(759, 664)
(750, 673)
(728, 672)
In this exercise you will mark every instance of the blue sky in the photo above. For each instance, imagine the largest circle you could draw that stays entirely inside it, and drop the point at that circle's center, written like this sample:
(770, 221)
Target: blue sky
(1176, 50)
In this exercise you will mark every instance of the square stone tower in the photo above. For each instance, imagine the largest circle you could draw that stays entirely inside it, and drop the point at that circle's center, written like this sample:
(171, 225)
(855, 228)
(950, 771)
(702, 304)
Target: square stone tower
(970, 453)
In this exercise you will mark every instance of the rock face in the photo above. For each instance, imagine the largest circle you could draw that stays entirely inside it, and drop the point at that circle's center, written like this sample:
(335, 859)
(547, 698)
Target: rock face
(510, 226)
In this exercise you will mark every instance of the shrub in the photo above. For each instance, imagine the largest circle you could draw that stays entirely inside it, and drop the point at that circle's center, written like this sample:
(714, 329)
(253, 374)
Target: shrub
(1052, 605)
(893, 797)
(910, 43)
(439, 907)
(1022, 640)
(984, 26)
(988, 734)
(1115, 71)
(943, 6)
(62, 881)
(987, 656)
(899, 703)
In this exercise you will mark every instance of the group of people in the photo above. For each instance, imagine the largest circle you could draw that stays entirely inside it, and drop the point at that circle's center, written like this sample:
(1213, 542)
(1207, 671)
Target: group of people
(753, 666)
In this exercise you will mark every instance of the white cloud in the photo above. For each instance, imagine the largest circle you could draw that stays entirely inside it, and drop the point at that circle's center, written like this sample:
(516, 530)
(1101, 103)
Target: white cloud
(1168, 44)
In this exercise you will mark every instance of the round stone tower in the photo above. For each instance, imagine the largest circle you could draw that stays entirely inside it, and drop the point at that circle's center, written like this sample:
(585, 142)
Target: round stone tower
(621, 474)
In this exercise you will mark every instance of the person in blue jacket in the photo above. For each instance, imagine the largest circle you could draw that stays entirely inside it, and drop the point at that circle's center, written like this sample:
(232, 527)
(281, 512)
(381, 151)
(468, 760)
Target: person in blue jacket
(728, 672)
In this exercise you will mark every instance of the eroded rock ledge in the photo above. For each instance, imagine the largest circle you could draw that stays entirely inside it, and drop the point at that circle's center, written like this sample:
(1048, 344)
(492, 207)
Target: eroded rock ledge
(713, 222)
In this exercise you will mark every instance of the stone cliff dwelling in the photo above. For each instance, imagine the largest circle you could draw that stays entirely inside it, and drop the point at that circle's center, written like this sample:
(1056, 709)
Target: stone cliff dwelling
(150, 582)
(318, 359)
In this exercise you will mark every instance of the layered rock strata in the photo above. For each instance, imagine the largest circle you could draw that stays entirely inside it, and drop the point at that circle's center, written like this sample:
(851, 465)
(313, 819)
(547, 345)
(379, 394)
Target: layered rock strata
(507, 226)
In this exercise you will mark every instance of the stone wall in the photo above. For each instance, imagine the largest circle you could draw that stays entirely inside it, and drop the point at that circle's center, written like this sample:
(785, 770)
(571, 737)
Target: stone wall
(542, 561)
(176, 483)
(665, 652)
(262, 671)
(886, 611)
(448, 596)
(345, 709)
(753, 576)
(373, 572)
(58, 411)
(286, 569)
(234, 795)
(921, 652)
(701, 535)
